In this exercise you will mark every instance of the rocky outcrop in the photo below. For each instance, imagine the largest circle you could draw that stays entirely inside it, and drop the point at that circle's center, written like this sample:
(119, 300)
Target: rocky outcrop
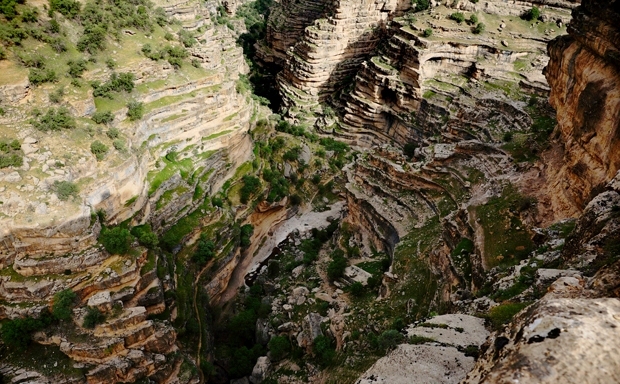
(440, 360)
(416, 86)
(558, 339)
(287, 22)
(584, 75)
(331, 49)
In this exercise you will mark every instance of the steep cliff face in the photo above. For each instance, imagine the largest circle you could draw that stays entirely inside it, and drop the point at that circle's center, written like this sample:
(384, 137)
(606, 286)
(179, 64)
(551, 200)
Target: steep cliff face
(196, 114)
(287, 22)
(192, 136)
(331, 49)
(560, 337)
(584, 77)
(416, 85)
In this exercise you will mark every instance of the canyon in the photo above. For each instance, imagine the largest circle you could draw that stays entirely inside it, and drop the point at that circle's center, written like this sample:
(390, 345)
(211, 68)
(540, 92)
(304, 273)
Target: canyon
(434, 182)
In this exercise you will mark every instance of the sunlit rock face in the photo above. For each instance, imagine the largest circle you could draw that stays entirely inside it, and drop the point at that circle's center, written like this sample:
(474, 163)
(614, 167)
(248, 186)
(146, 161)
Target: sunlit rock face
(584, 75)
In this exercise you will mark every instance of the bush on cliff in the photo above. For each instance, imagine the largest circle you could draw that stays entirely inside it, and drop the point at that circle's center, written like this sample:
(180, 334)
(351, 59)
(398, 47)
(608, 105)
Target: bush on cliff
(64, 301)
(116, 240)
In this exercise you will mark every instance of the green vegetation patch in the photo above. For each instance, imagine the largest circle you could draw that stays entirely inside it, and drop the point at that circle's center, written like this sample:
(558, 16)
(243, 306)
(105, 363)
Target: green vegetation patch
(11, 154)
(506, 239)
(168, 195)
(503, 313)
(156, 178)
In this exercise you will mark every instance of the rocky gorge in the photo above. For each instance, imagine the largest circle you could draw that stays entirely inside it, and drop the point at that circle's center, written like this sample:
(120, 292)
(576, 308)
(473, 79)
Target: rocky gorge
(438, 184)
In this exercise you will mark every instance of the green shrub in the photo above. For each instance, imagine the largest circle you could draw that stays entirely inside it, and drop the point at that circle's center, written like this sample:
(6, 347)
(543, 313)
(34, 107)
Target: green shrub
(93, 317)
(458, 17)
(245, 234)
(187, 39)
(503, 313)
(336, 267)
(508, 137)
(421, 5)
(119, 144)
(415, 339)
(428, 32)
(93, 39)
(113, 133)
(39, 76)
(104, 118)
(116, 240)
(117, 83)
(357, 289)
(390, 339)
(65, 189)
(29, 15)
(11, 160)
(145, 236)
(398, 324)
(16, 334)
(55, 120)
(11, 154)
(478, 29)
(56, 96)
(64, 302)
(99, 149)
(217, 202)
(279, 347)
(8, 8)
(68, 8)
(77, 67)
(251, 185)
(12, 33)
(135, 110)
(324, 350)
(473, 19)
(205, 251)
(110, 63)
(531, 14)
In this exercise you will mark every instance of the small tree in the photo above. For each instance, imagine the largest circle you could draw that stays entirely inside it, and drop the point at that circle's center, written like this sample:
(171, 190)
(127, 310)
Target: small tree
(421, 5)
(531, 14)
(389, 339)
(98, 149)
(427, 32)
(135, 110)
(116, 240)
(478, 29)
(357, 289)
(103, 117)
(65, 189)
(205, 250)
(93, 317)
(335, 269)
(279, 347)
(62, 308)
(245, 235)
(458, 17)
(324, 350)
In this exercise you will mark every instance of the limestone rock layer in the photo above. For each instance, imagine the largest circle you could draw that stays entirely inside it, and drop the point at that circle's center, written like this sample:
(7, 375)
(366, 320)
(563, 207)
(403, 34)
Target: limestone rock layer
(584, 75)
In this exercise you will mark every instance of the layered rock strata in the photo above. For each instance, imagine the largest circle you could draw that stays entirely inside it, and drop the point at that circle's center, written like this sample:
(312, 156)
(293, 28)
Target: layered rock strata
(415, 86)
(584, 75)
(331, 49)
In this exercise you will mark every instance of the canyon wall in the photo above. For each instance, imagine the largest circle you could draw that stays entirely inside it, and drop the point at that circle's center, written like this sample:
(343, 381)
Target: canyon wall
(330, 49)
(584, 77)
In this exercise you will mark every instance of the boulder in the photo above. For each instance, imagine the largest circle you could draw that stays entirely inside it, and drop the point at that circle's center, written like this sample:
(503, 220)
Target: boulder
(311, 329)
(261, 369)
